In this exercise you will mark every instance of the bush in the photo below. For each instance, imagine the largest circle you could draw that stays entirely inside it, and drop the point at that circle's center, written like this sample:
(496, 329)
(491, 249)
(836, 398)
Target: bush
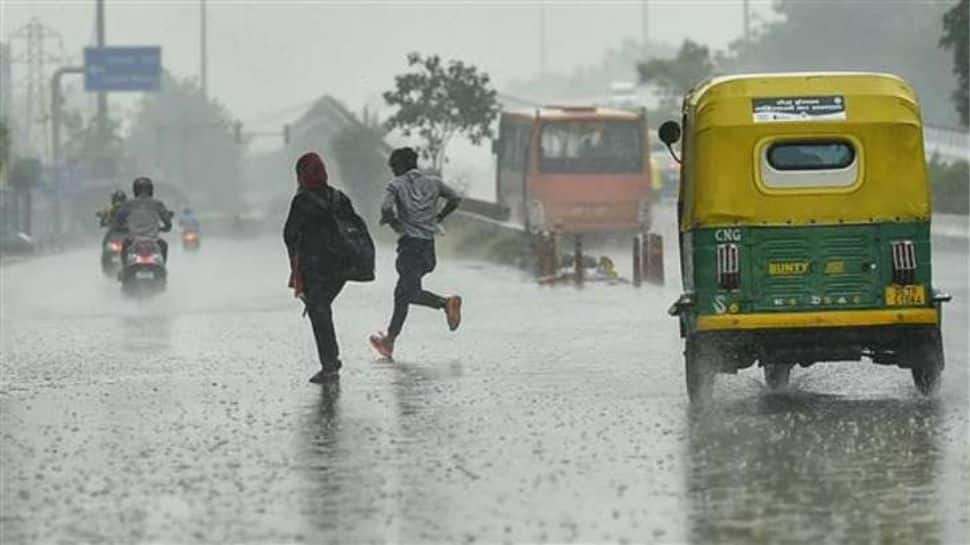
(950, 183)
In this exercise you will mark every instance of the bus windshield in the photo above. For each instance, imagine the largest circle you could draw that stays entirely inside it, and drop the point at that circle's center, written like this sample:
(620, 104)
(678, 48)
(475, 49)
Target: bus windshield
(591, 147)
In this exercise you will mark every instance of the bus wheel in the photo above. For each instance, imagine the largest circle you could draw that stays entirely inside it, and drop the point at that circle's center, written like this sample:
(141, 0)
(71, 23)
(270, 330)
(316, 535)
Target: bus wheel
(700, 367)
(925, 361)
(777, 375)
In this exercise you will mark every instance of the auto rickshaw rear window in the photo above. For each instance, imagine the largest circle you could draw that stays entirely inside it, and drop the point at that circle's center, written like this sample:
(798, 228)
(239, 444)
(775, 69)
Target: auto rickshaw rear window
(814, 155)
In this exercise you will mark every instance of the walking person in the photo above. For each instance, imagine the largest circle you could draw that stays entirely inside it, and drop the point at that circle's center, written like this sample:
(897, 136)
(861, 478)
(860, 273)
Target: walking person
(411, 208)
(318, 256)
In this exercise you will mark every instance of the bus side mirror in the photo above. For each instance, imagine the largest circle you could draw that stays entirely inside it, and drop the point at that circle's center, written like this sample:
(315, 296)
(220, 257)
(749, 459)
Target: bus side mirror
(669, 133)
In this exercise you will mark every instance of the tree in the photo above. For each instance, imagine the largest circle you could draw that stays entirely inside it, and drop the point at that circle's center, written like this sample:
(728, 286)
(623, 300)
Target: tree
(895, 37)
(440, 101)
(676, 76)
(360, 153)
(957, 38)
(83, 145)
(184, 138)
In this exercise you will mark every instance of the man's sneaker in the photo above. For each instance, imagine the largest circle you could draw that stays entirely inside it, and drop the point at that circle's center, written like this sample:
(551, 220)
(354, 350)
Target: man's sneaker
(453, 311)
(383, 344)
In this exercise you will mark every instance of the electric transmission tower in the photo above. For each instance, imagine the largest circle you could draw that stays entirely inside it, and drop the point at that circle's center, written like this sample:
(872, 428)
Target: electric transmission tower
(41, 48)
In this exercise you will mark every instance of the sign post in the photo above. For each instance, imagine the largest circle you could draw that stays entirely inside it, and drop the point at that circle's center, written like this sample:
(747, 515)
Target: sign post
(120, 69)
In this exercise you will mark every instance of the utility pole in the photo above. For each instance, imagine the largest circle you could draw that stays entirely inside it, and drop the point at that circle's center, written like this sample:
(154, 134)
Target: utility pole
(102, 96)
(57, 101)
(203, 74)
(37, 56)
(542, 38)
(644, 29)
(56, 111)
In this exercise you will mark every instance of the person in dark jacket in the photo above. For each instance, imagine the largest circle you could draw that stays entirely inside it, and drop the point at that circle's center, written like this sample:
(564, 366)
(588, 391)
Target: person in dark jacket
(310, 234)
(143, 217)
(411, 209)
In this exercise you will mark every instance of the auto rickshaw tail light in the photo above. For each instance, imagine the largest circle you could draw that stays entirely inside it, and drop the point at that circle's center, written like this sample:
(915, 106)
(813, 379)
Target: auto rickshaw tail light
(904, 262)
(728, 266)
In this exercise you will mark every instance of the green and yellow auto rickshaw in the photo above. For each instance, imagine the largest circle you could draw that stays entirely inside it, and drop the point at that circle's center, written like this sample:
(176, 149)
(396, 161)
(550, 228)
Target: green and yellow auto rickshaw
(804, 225)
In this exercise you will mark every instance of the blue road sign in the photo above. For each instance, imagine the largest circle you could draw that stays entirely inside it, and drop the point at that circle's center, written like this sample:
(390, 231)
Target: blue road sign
(122, 68)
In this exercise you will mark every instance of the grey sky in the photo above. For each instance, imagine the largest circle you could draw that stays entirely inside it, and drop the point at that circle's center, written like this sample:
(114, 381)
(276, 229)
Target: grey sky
(266, 56)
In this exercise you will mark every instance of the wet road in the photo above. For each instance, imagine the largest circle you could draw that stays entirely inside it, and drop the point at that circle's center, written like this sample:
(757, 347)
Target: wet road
(554, 414)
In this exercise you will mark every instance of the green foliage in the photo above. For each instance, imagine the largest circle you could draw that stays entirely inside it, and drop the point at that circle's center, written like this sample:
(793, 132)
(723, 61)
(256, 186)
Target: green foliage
(692, 65)
(950, 183)
(896, 37)
(438, 101)
(82, 145)
(956, 37)
(182, 137)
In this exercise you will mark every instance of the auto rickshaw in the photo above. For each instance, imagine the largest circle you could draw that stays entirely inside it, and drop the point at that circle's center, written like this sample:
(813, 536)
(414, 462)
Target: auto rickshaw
(804, 227)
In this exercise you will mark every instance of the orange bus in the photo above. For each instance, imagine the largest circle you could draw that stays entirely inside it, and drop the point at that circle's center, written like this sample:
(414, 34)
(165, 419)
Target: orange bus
(574, 170)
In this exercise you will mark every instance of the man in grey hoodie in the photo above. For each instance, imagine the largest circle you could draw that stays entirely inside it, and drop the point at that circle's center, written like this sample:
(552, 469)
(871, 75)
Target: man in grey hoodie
(411, 209)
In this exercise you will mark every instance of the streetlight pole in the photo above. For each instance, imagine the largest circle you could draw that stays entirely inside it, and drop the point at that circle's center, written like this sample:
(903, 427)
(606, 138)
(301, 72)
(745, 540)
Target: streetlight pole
(56, 104)
(644, 28)
(102, 96)
(542, 38)
(203, 73)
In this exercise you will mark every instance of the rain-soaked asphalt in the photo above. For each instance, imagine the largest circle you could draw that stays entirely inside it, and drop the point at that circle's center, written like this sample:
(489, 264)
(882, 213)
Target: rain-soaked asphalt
(554, 414)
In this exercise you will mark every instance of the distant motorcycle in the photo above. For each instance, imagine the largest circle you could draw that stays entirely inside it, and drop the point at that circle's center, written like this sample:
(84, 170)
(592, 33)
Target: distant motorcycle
(144, 269)
(190, 240)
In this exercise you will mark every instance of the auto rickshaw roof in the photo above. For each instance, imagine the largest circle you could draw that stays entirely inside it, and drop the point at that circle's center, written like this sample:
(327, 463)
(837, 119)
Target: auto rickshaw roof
(741, 88)
(725, 138)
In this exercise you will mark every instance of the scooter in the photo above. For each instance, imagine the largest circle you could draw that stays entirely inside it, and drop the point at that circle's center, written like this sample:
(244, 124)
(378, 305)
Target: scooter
(111, 254)
(144, 271)
(190, 240)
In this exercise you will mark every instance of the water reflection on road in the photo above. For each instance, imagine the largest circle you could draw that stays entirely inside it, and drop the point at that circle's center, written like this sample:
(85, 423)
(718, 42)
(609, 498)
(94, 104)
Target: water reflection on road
(812, 468)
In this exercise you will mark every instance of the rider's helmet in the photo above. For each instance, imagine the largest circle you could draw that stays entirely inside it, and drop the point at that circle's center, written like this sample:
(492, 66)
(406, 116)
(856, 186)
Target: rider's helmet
(186, 211)
(118, 197)
(142, 187)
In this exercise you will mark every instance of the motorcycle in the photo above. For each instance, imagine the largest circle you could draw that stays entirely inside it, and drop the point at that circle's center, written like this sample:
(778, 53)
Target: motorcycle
(111, 254)
(190, 240)
(144, 269)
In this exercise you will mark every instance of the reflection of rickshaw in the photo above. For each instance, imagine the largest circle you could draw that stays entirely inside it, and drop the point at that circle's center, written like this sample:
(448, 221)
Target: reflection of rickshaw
(804, 217)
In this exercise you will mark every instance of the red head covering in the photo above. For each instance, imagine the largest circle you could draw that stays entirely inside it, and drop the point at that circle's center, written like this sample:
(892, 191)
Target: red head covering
(311, 172)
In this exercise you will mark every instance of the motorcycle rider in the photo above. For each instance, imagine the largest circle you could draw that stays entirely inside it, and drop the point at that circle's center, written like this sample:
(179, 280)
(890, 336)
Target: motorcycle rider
(142, 216)
(188, 221)
(106, 216)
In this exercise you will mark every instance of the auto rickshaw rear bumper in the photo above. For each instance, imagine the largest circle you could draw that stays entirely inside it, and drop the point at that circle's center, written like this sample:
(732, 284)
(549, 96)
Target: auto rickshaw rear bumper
(819, 319)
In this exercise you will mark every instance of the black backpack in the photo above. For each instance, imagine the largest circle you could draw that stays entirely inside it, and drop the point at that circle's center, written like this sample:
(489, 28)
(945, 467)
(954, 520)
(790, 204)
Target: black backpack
(353, 245)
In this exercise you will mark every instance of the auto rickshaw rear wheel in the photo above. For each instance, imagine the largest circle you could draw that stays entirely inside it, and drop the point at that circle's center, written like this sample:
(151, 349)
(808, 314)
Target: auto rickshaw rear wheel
(925, 361)
(700, 358)
(777, 375)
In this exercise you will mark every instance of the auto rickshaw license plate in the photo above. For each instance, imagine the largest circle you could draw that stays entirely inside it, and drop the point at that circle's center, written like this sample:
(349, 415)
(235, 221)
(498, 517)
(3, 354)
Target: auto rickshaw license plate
(897, 296)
